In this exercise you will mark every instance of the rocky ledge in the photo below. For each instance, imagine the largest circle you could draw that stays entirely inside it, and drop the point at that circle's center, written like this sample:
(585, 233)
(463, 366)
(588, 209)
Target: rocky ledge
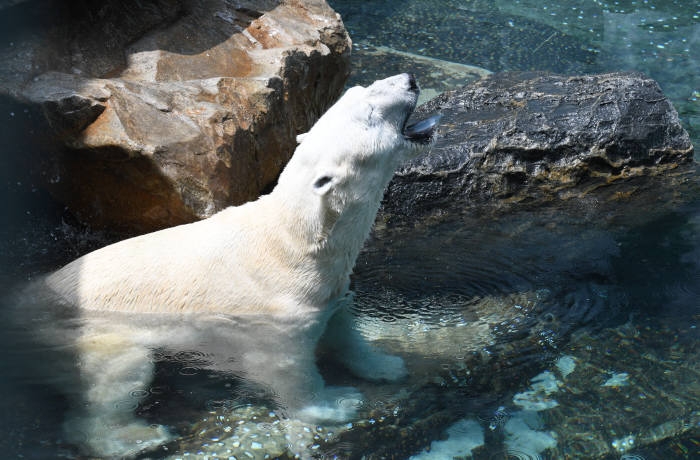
(533, 138)
(160, 112)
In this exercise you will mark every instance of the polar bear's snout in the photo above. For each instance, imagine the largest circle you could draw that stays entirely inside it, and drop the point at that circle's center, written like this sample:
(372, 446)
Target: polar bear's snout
(422, 132)
(380, 112)
(405, 80)
(412, 83)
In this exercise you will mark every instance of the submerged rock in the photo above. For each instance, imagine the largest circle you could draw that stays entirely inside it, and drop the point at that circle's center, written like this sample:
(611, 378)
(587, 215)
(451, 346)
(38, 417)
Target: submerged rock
(251, 432)
(166, 111)
(533, 138)
(591, 420)
(435, 76)
(657, 401)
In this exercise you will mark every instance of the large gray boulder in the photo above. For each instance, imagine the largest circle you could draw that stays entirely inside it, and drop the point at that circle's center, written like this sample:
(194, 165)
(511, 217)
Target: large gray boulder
(161, 112)
(534, 138)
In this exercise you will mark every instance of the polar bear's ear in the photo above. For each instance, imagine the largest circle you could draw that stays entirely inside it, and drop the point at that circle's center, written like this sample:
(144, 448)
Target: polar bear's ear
(300, 137)
(323, 184)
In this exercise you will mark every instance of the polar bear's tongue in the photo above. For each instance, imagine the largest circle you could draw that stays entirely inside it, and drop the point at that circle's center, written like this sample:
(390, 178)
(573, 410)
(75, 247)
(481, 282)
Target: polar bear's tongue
(422, 130)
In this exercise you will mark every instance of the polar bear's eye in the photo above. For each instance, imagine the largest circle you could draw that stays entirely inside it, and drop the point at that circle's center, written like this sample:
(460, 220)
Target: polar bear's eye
(321, 181)
(322, 184)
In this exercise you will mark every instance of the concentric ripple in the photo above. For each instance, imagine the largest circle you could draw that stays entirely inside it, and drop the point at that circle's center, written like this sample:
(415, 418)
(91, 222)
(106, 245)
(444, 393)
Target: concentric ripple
(511, 454)
(632, 457)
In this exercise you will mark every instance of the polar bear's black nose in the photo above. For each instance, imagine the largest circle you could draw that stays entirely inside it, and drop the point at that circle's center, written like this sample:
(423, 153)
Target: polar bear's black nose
(412, 84)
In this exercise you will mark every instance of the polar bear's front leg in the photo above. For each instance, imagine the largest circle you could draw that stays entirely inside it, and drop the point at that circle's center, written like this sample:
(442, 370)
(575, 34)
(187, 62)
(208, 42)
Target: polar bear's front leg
(361, 358)
(114, 374)
(287, 367)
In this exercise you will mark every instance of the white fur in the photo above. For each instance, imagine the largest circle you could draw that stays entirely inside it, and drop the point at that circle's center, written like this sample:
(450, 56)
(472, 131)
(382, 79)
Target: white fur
(260, 281)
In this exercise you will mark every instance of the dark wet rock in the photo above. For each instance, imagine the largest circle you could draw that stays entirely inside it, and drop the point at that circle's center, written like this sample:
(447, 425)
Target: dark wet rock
(533, 138)
(164, 111)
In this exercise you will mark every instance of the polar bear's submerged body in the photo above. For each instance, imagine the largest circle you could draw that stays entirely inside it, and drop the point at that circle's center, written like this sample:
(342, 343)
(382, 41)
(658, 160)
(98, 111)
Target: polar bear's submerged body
(256, 285)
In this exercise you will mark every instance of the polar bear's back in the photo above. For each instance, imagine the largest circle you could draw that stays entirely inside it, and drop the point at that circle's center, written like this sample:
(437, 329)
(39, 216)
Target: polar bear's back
(157, 271)
(236, 262)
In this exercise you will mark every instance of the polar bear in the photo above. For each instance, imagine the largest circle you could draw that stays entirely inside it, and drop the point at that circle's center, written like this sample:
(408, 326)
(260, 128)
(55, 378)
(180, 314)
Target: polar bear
(256, 286)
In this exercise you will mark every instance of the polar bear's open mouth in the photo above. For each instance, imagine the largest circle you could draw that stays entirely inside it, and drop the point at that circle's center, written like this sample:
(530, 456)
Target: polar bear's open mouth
(422, 131)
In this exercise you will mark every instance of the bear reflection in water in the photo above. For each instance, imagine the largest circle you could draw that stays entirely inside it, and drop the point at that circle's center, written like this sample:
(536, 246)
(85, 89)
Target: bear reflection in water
(254, 287)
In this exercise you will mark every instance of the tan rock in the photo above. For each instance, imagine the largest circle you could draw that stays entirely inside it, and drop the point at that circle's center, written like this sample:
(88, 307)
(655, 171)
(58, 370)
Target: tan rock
(164, 112)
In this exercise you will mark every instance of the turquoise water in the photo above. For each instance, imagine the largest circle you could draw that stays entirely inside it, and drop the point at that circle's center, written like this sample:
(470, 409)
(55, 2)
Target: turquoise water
(564, 332)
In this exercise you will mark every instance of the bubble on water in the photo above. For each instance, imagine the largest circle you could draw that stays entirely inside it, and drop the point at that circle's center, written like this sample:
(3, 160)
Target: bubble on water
(188, 370)
(138, 393)
(157, 390)
(349, 403)
(126, 405)
(192, 357)
(159, 356)
(264, 426)
(623, 444)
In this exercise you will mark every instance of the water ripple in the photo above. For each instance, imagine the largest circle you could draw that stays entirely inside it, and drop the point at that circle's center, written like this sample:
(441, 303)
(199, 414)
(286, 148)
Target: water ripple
(512, 454)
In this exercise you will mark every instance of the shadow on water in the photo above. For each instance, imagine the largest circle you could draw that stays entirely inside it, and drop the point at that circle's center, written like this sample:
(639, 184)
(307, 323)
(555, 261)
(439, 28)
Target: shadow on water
(658, 265)
(597, 268)
(33, 369)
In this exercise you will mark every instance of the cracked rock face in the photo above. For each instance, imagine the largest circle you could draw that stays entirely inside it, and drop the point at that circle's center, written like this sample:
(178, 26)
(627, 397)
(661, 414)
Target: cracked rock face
(532, 138)
(161, 112)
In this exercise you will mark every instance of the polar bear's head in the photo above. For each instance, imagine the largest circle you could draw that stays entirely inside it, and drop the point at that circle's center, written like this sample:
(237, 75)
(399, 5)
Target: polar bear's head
(341, 167)
(352, 151)
(366, 123)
